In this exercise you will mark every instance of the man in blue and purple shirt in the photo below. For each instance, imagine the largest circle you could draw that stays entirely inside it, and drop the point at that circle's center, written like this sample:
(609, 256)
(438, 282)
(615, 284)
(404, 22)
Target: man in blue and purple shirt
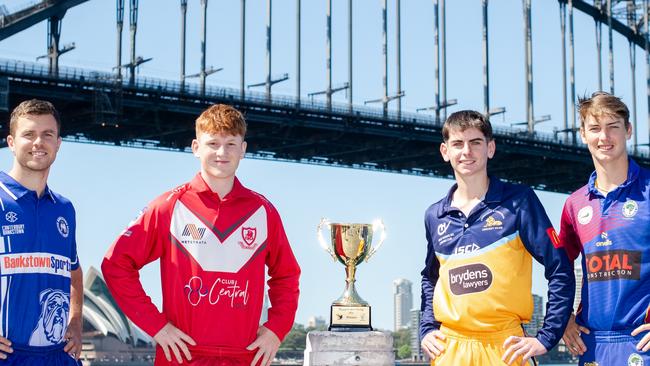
(608, 222)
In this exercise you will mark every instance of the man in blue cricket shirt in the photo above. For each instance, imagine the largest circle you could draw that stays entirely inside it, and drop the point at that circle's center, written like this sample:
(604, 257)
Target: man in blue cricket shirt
(41, 291)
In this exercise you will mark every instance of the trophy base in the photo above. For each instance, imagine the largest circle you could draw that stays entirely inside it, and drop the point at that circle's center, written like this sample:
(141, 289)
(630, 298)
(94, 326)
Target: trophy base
(350, 318)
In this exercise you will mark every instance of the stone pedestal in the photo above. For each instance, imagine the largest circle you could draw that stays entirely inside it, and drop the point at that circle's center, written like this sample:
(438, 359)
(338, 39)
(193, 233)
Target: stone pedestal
(349, 349)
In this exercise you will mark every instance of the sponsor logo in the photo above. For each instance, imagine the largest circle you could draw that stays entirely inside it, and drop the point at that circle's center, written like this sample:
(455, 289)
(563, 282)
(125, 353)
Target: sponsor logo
(248, 234)
(552, 234)
(63, 227)
(635, 360)
(222, 289)
(614, 264)
(195, 232)
(13, 229)
(466, 248)
(630, 208)
(470, 279)
(35, 263)
(11, 216)
(585, 214)
(592, 363)
(442, 228)
(605, 241)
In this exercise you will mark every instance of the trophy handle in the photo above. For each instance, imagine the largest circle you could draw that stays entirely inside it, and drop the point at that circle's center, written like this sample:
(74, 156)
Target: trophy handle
(321, 240)
(376, 225)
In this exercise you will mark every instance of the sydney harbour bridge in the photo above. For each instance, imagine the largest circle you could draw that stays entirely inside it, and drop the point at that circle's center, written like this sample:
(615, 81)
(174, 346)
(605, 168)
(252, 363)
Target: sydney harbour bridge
(121, 107)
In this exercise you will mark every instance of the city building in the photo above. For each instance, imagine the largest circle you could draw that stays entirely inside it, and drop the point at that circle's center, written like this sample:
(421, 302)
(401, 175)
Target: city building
(403, 303)
(416, 350)
(537, 320)
(577, 265)
(316, 322)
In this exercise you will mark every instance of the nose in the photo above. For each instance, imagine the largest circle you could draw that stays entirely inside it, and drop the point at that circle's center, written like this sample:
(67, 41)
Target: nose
(466, 148)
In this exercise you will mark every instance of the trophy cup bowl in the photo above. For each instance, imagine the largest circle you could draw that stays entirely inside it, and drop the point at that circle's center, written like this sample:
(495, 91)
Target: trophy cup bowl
(350, 244)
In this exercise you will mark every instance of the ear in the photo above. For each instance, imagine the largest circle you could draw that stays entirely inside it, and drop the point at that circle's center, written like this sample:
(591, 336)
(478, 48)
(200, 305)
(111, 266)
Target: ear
(492, 148)
(195, 147)
(243, 149)
(58, 143)
(628, 135)
(11, 144)
(583, 137)
(444, 151)
(44, 295)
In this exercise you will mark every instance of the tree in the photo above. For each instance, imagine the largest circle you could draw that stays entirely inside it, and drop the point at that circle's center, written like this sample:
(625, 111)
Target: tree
(295, 340)
(404, 351)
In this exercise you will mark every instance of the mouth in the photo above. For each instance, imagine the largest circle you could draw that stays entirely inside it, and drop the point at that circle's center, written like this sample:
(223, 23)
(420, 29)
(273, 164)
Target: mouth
(38, 154)
(605, 147)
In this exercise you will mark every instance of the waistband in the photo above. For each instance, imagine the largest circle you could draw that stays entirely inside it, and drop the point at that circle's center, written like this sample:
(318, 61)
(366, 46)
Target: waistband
(34, 351)
(482, 336)
(214, 351)
(612, 336)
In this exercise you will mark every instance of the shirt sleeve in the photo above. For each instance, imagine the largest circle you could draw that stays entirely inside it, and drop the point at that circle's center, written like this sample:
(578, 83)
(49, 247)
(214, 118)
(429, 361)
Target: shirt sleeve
(430, 275)
(284, 273)
(568, 235)
(139, 244)
(540, 239)
(74, 256)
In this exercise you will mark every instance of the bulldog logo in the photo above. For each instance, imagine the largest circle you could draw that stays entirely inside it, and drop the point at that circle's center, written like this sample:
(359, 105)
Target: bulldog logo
(248, 234)
(53, 321)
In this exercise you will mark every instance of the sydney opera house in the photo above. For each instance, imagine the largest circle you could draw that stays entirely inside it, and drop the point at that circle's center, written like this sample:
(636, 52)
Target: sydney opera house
(109, 337)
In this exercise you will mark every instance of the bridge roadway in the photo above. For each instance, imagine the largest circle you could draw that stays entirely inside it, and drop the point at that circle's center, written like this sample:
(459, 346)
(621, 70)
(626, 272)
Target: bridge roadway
(159, 114)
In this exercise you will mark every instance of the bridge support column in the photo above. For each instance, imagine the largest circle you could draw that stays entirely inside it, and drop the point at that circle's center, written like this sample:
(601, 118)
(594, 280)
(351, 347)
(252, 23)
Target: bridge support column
(53, 36)
(349, 348)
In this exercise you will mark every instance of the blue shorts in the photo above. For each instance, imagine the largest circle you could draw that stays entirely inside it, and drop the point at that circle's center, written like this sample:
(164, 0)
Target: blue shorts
(39, 356)
(613, 348)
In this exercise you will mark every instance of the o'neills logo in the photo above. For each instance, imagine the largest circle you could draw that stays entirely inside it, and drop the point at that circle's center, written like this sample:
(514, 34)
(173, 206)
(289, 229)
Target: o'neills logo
(470, 278)
(614, 264)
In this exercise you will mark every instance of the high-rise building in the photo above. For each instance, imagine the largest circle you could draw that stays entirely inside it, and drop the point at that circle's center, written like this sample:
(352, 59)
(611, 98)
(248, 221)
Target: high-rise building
(578, 271)
(403, 301)
(416, 350)
(537, 319)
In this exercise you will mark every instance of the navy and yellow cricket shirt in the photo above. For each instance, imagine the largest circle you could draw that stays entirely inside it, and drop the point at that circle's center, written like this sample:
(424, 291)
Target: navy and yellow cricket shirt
(478, 270)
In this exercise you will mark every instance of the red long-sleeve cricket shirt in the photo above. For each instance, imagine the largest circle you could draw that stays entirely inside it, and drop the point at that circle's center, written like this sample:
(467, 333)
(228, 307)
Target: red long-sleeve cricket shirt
(213, 255)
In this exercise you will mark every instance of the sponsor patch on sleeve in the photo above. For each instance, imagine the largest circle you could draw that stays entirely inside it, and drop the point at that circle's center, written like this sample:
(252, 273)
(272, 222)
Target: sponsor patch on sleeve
(555, 239)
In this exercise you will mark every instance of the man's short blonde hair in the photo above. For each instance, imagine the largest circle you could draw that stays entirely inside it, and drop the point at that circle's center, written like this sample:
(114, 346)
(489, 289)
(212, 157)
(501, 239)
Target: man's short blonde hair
(602, 104)
(221, 119)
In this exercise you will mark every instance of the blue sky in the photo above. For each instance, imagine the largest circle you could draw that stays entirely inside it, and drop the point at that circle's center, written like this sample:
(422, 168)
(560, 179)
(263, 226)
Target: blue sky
(110, 185)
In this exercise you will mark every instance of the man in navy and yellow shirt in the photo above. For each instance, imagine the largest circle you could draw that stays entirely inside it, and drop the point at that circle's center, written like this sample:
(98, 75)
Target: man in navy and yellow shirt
(607, 221)
(481, 239)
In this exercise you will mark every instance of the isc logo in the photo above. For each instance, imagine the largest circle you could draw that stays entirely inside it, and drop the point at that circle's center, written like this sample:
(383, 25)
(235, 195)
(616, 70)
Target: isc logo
(466, 248)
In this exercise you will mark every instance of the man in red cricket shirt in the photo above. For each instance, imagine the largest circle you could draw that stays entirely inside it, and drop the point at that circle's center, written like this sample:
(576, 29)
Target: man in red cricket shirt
(214, 239)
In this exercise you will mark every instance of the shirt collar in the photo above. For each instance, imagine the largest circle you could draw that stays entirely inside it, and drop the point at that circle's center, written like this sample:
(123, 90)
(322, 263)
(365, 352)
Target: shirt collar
(16, 190)
(198, 184)
(632, 175)
(493, 194)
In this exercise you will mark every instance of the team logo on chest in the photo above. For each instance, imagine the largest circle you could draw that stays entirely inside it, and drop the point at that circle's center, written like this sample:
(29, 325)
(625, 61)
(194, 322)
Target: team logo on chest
(493, 221)
(15, 229)
(248, 234)
(630, 208)
(11, 216)
(62, 226)
(585, 214)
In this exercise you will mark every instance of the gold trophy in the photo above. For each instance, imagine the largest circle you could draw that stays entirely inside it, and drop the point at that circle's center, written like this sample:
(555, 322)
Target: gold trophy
(350, 244)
